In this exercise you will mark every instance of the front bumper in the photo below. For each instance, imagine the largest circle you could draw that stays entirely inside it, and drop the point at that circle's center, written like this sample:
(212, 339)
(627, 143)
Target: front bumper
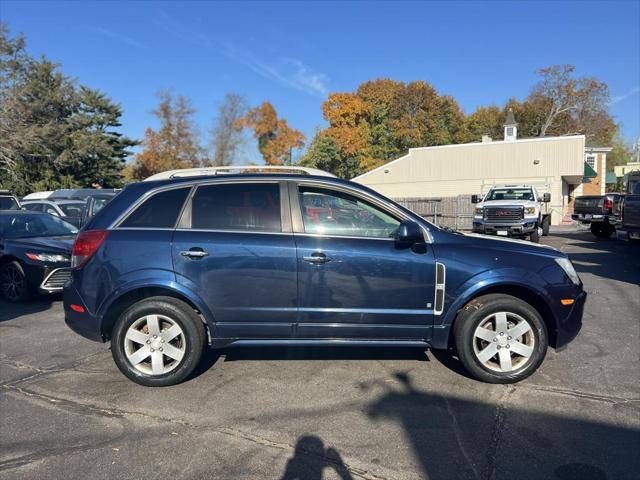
(569, 326)
(525, 227)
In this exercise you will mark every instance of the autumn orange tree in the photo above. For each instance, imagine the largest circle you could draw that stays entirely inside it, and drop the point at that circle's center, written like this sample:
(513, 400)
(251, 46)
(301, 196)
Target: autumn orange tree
(276, 139)
(383, 118)
(174, 145)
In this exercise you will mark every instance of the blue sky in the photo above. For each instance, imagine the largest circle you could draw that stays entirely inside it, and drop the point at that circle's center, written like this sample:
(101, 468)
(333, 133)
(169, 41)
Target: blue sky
(292, 54)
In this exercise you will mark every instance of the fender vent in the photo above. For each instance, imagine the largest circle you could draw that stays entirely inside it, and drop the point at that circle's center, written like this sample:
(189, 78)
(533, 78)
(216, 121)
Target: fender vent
(441, 274)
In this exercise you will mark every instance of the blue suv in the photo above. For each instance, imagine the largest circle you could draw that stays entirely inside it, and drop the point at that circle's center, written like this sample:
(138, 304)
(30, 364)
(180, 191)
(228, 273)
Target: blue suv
(170, 266)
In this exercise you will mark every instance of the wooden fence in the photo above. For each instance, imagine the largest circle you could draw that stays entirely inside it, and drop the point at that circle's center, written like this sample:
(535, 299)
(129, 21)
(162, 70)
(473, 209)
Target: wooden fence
(454, 212)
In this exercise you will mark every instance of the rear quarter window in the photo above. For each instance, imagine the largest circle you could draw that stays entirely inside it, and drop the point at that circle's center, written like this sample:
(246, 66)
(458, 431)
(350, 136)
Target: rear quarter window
(159, 211)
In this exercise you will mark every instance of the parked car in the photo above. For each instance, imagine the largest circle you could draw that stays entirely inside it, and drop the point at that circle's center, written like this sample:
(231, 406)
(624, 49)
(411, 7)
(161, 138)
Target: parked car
(600, 212)
(95, 198)
(37, 196)
(72, 211)
(629, 228)
(35, 253)
(512, 211)
(171, 265)
(8, 201)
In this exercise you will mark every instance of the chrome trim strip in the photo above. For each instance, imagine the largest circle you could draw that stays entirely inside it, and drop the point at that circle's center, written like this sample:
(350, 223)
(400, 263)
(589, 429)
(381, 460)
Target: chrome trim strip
(46, 279)
(245, 232)
(439, 287)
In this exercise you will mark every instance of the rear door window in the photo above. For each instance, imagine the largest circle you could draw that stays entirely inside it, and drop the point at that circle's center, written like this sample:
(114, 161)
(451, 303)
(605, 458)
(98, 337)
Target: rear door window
(238, 206)
(159, 211)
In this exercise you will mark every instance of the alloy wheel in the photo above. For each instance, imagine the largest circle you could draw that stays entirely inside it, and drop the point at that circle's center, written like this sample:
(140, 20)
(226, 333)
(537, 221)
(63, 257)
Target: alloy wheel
(155, 344)
(13, 282)
(504, 342)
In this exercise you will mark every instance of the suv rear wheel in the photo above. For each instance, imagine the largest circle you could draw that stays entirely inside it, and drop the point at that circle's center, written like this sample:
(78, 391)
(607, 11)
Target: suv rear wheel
(158, 341)
(500, 339)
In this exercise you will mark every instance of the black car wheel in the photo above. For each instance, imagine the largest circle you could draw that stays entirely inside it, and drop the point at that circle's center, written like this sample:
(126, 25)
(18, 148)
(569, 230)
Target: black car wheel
(158, 341)
(546, 223)
(535, 236)
(500, 339)
(13, 282)
(602, 230)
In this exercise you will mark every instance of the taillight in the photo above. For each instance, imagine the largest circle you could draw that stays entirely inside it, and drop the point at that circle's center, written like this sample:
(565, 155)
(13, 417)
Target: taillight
(86, 245)
(608, 204)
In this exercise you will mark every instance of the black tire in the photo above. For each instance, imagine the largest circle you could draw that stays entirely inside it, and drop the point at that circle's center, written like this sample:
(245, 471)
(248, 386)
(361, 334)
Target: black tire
(602, 230)
(476, 312)
(178, 312)
(535, 236)
(14, 285)
(546, 224)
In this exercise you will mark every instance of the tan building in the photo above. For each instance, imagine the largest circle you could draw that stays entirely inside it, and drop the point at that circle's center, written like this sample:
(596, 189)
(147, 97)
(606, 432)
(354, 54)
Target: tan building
(622, 170)
(552, 164)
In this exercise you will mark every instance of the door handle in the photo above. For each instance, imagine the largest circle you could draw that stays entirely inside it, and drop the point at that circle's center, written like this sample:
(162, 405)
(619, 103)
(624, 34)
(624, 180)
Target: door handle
(317, 258)
(194, 253)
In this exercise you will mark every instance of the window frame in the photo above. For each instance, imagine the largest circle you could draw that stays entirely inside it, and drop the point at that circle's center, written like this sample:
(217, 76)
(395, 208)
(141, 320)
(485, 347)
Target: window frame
(594, 157)
(298, 222)
(185, 218)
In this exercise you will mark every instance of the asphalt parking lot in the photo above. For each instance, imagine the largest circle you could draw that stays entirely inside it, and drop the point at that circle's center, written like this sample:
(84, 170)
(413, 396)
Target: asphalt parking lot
(67, 412)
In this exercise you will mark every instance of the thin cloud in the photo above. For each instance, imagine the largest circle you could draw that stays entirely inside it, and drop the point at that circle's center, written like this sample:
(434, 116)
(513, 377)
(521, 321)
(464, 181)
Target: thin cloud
(175, 28)
(117, 36)
(622, 98)
(290, 72)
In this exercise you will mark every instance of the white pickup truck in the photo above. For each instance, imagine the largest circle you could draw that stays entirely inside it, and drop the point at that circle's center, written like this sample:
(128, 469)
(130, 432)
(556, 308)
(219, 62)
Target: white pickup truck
(512, 211)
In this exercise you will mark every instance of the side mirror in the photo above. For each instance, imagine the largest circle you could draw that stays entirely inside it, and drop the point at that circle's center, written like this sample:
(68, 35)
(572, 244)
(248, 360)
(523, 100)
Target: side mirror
(409, 232)
(475, 199)
(546, 198)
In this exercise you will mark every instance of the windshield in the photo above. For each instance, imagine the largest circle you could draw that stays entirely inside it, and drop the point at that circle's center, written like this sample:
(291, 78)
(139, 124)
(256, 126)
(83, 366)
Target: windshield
(8, 203)
(510, 194)
(29, 225)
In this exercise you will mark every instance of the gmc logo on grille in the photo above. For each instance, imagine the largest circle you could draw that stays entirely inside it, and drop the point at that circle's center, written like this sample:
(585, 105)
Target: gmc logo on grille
(503, 213)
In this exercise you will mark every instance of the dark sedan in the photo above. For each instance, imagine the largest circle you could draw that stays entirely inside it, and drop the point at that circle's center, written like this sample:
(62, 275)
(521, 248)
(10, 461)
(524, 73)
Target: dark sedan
(35, 250)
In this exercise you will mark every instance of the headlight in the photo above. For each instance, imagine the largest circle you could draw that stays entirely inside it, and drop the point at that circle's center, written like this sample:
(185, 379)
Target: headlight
(478, 211)
(567, 266)
(47, 257)
(530, 210)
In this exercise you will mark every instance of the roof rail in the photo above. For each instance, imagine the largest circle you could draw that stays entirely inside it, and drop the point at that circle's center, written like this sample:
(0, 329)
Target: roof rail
(231, 169)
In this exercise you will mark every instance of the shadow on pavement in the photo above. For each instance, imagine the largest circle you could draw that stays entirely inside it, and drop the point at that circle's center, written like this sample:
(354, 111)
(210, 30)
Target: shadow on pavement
(233, 354)
(613, 259)
(456, 438)
(310, 458)
(11, 311)
(534, 445)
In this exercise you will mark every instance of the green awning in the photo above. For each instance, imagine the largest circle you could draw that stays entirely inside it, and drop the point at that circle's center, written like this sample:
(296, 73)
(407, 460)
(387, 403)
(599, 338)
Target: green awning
(589, 172)
(611, 178)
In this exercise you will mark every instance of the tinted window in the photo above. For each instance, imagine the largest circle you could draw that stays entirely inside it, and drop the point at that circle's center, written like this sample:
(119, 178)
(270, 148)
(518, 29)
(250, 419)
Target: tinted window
(240, 206)
(8, 203)
(336, 213)
(34, 225)
(159, 211)
(34, 207)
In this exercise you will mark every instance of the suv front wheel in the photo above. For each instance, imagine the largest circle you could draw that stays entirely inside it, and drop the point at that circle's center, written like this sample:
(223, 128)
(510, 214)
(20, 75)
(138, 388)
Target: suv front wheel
(158, 341)
(500, 339)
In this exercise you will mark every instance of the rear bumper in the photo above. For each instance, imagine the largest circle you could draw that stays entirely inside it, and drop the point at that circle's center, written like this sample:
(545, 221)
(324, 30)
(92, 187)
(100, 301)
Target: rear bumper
(83, 323)
(587, 218)
(569, 327)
